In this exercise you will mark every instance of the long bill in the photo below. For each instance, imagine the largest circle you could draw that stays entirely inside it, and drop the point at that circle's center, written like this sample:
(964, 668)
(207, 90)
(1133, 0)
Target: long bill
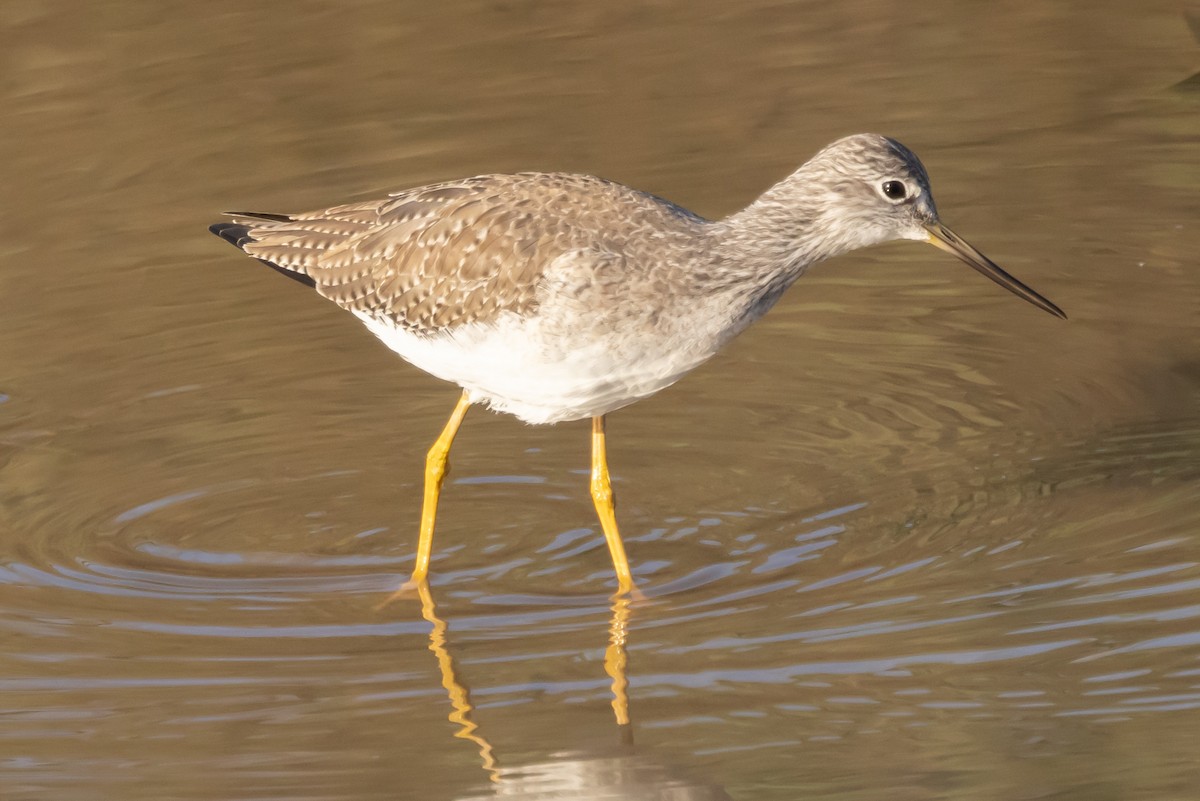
(942, 237)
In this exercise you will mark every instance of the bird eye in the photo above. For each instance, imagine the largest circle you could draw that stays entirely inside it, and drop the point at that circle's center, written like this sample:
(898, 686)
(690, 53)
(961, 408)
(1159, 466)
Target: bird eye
(894, 190)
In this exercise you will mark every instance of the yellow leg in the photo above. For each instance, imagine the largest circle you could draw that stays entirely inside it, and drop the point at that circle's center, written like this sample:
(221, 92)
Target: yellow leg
(435, 474)
(602, 497)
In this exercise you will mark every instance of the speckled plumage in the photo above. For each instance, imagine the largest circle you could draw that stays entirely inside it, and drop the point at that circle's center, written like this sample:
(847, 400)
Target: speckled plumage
(558, 297)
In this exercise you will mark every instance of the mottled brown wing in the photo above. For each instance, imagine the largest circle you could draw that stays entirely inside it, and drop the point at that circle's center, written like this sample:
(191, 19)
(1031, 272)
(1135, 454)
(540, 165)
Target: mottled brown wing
(428, 259)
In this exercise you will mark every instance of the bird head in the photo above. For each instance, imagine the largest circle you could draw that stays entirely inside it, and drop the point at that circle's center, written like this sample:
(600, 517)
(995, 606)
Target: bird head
(868, 189)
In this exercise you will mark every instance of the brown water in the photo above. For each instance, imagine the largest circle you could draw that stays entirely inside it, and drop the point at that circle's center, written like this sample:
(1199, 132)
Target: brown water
(908, 538)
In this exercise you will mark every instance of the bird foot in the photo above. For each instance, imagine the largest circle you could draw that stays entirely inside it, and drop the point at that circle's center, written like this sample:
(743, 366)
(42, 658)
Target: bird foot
(409, 589)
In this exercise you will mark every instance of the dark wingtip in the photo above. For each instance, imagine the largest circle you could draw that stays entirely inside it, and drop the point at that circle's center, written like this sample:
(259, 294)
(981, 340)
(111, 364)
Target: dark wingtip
(236, 234)
(295, 276)
(261, 215)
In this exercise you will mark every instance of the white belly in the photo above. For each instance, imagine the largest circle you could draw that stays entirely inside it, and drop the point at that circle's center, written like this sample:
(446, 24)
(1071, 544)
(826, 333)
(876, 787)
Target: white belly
(516, 366)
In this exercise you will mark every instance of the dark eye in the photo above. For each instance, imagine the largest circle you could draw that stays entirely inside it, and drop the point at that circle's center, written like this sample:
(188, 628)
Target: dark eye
(894, 190)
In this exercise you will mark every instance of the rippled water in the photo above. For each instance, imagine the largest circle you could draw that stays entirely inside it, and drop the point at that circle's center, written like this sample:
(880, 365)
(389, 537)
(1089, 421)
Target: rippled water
(908, 538)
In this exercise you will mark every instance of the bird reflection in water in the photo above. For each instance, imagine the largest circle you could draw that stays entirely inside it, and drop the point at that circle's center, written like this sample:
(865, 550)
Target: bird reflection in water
(624, 772)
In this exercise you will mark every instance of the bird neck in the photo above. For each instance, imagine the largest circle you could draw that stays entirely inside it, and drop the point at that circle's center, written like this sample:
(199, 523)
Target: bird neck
(766, 246)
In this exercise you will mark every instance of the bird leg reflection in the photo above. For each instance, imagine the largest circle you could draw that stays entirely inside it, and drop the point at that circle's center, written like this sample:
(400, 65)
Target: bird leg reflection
(616, 662)
(460, 696)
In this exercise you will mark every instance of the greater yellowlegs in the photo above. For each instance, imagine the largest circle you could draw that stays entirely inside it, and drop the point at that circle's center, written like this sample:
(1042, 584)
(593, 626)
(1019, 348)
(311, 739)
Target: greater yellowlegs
(558, 297)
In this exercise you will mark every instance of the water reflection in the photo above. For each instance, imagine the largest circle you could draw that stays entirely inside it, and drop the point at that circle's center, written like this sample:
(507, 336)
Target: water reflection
(920, 610)
(460, 697)
(622, 771)
(615, 777)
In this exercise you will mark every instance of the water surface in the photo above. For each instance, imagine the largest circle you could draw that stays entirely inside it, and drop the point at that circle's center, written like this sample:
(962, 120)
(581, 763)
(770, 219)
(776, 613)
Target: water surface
(907, 538)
